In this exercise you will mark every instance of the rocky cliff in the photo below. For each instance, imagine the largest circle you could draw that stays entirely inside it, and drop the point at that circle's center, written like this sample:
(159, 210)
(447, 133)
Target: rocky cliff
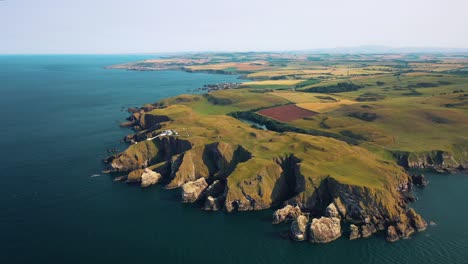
(454, 160)
(325, 184)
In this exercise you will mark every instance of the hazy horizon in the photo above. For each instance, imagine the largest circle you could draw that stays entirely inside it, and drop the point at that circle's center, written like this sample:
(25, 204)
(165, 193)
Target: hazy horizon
(152, 27)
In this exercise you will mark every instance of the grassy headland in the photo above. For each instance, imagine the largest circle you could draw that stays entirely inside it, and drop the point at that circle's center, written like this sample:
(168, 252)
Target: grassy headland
(374, 116)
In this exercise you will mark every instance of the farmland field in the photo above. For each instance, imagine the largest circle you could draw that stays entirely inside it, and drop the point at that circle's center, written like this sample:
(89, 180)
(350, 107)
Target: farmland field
(286, 113)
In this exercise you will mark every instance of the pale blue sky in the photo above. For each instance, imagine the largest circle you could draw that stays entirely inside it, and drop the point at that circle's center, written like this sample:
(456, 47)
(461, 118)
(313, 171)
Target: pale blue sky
(145, 26)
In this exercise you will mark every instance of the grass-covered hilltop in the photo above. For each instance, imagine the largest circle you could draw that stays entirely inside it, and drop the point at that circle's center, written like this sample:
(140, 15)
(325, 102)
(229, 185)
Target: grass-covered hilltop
(325, 139)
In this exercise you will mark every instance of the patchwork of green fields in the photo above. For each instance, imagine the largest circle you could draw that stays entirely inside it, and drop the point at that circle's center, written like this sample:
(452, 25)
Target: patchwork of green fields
(396, 102)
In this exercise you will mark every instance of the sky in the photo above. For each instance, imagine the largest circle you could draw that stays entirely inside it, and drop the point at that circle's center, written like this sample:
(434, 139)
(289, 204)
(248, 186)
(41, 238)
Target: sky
(157, 26)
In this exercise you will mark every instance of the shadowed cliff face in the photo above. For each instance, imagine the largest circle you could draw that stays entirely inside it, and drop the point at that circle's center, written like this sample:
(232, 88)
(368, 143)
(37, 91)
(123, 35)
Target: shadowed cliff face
(214, 161)
(441, 161)
(146, 153)
(272, 183)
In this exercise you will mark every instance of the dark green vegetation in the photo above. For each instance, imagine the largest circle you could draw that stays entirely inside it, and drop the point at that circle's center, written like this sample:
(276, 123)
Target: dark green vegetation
(278, 126)
(335, 88)
(307, 83)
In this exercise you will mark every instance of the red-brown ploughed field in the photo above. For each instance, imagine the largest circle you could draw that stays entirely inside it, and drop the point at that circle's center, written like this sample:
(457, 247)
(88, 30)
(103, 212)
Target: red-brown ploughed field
(286, 113)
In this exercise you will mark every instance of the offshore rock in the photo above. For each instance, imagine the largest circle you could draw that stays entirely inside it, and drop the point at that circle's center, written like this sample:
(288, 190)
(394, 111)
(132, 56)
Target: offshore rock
(298, 229)
(392, 234)
(288, 212)
(132, 110)
(211, 204)
(354, 232)
(149, 177)
(324, 229)
(193, 191)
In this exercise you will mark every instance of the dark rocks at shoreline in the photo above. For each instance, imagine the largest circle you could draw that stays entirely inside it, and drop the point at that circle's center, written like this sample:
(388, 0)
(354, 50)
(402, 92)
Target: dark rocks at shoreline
(215, 189)
(354, 232)
(127, 124)
(132, 110)
(286, 213)
(392, 234)
(212, 204)
(438, 161)
(368, 230)
(120, 178)
(416, 220)
(111, 150)
(419, 180)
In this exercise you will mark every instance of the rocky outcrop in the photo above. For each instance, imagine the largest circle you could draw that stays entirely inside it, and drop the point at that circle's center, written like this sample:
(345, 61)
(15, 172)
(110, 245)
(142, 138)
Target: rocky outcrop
(149, 177)
(127, 124)
(146, 153)
(368, 230)
(215, 189)
(324, 229)
(193, 191)
(419, 180)
(364, 207)
(288, 212)
(332, 211)
(298, 230)
(354, 232)
(135, 176)
(404, 228)
(438, 160)
(136, 156)
(132, 110)
(407, 224)
(212, 204)
(146, 176)
(392, 234)
(416, 220)
(214, 196)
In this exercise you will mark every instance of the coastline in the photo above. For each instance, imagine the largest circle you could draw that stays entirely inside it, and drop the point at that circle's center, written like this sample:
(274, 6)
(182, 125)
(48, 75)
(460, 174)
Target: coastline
(216, 170)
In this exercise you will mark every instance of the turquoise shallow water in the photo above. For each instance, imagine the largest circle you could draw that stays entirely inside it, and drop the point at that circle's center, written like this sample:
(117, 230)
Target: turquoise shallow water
(60, 113)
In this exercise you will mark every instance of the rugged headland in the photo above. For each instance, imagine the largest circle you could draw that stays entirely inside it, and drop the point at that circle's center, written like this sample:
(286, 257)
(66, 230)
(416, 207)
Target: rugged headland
(333, 160)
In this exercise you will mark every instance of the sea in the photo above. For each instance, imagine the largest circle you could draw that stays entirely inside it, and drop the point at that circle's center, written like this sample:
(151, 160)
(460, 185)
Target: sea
(60, 114)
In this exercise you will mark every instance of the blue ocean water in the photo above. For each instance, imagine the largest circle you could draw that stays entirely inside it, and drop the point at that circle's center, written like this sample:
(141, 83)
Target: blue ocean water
(60, 114)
